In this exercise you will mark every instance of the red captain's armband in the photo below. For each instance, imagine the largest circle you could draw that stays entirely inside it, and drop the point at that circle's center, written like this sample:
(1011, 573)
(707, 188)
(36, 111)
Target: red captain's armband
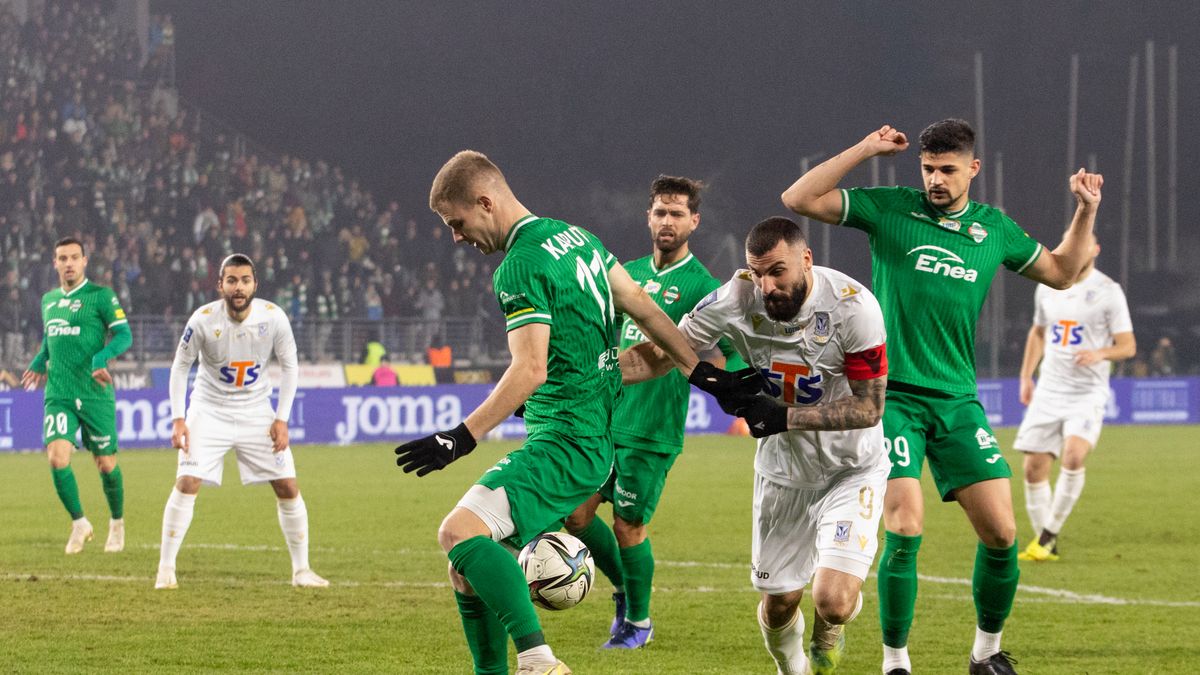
(867, 364)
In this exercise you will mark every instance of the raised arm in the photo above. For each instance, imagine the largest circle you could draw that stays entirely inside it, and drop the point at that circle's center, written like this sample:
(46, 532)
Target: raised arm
(815, 194)
(1061, 267)
(1035, 345)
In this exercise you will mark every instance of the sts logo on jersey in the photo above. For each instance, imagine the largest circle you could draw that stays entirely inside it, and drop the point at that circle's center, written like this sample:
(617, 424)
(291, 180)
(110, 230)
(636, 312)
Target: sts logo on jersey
(796, 381)
(1066, 333)
(241, 373)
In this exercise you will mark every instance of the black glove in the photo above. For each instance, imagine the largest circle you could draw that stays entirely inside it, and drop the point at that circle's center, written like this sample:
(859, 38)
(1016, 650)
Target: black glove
(764, 417)
(435, 452)
(732, 390)
(520, 411)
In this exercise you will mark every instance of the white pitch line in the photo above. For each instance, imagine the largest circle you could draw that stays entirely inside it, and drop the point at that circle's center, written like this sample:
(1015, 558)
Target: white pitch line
(1053, 595)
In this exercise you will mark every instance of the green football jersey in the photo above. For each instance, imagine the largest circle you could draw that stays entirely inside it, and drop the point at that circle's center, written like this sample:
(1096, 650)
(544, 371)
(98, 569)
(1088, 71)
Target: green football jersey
(557, 274)
(76, 326)
(931, 272)
(653, 412)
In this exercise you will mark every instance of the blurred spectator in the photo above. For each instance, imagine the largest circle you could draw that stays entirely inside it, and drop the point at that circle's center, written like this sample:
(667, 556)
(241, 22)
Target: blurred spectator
(13, 324)
(1162, 359)
(384, 376)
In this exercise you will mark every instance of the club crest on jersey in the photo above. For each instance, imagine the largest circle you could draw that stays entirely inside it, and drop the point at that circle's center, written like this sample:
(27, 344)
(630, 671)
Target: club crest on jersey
(841, 532)
(977, 232)
(671, 294)
(262, 330)
(652, 287)
(793, 382)
(821, 327)
(1089, 297)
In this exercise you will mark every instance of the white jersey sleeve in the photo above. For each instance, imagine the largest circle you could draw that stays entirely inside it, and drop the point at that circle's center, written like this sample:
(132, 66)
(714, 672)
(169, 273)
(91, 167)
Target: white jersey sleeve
(863, 323)
(708, 321)
(185, 356)
(289, 364)
(1118, 312)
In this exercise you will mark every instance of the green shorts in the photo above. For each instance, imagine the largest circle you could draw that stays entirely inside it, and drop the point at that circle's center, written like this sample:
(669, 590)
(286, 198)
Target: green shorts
(637, 481)
(547, 477)
(950, 429)
(97, 418)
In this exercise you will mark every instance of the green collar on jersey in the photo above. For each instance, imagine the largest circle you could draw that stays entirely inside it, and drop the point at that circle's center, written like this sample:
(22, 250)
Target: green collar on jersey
(71, 292)
(512, 233)
(669, 268)
(949, 214)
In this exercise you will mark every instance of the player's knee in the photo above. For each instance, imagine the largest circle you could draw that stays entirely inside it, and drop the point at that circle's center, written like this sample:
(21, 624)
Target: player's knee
(459, 582)
(628, 534)
(999, 535)
(188, 485)
(777, 610)
(106, 463)
(579, 519)
(836, 606)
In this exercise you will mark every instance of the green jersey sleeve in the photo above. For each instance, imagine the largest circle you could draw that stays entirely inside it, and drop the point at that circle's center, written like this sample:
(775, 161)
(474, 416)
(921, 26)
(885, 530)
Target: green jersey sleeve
(524, 294)
(110, 308)
(1020, 249)
(863, 208)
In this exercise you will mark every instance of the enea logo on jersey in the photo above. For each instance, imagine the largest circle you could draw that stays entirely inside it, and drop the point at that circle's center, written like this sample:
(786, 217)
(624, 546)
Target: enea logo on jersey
(1066, 333)
(793, 382)
(241, 373)
(938, 260)
(58, 327)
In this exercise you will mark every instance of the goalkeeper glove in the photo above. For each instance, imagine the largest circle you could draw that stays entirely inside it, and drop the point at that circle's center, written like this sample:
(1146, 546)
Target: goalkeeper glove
(764, 417)
(435, 452)
(732, 390)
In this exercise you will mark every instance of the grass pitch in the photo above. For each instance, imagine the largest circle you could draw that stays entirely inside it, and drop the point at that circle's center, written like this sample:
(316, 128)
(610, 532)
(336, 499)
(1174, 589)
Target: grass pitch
(1124, 598)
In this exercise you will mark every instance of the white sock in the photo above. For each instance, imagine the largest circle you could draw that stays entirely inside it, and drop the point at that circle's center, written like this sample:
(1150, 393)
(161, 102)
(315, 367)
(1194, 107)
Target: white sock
(177, 516)
(986, 644)
(1066, 493)
(896, 657)
(644, 623)
(293, 520)
(540, 655)
(786, 643)
(1037, 504)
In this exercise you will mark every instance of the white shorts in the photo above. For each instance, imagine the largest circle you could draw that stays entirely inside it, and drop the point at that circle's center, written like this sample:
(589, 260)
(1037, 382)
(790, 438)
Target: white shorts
(212, 432)
(493, 509)
(1050, 419)
(797, 530)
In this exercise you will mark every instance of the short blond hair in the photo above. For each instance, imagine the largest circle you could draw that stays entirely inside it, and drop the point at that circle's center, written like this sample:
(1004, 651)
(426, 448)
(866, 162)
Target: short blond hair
(458, 180)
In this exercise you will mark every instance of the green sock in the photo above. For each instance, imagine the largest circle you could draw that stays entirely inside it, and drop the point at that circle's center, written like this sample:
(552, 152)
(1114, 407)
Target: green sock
(897, 587)
(114, 492)
(994, 585)
(638, 562)
(485, 635)
(499, 582)
(599, 539)
(68, 490)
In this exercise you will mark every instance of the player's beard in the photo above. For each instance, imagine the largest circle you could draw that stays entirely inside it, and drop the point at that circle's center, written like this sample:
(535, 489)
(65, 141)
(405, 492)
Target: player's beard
(670, 244)
(231, 304)
(785, 306)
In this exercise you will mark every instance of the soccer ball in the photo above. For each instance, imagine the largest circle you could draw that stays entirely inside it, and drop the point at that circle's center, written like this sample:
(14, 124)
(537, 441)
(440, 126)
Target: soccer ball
(559, 570)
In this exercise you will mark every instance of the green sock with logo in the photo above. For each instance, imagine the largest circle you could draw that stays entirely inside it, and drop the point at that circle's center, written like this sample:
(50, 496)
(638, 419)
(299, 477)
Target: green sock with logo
(601, 541)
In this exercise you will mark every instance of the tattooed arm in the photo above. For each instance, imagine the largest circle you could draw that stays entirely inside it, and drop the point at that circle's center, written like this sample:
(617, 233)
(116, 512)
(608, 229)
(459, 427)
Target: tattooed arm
(861, 410)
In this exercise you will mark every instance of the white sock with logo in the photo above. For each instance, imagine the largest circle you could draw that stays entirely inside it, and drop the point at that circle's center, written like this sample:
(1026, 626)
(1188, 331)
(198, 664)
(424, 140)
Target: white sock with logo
(177, 517)
(293, 520)
(786, 643)
(1037, 504)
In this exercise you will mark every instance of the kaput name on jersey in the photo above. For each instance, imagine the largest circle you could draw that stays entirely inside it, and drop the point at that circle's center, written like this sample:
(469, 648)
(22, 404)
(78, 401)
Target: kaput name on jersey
(937, 260)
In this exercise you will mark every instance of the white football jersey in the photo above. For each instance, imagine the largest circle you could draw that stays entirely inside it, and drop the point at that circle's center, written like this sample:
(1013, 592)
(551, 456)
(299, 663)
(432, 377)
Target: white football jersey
(805, 363)
(1082, 317)
(233, 358)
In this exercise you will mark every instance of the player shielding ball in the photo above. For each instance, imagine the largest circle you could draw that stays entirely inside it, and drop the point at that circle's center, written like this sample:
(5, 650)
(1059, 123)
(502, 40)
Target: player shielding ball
(1077, 335)
(234, 338)
(934, 254)
(559, 289)
(73, 364)
(817, 337)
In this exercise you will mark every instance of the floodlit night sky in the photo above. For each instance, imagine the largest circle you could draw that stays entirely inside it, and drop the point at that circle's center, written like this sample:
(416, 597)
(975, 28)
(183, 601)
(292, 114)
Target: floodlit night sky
(582, 104)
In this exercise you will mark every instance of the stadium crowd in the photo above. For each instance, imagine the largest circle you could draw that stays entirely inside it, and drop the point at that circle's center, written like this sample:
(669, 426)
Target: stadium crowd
(90, 146)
